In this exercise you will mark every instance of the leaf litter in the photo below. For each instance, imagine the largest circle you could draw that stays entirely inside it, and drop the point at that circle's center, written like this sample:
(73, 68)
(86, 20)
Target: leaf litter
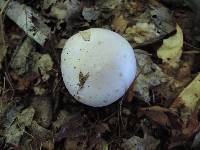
(36, 111)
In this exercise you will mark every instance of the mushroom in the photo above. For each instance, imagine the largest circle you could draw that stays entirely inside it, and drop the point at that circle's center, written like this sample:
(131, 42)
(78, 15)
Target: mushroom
(98, 66)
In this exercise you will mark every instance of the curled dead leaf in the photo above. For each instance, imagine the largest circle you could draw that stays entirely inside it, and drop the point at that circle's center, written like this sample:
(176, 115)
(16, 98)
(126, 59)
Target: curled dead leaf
(171, 50)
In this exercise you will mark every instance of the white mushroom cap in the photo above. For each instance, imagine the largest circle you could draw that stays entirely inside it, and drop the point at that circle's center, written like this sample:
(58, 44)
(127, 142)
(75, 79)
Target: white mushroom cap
(98, 66)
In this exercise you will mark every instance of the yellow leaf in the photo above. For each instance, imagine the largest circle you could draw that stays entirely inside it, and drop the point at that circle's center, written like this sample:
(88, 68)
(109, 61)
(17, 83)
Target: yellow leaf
(190, 96)
(171, 49)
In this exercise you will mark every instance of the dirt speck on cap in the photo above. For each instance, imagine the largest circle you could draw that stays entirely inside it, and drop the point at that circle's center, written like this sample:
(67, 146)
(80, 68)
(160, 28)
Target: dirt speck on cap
(82, 79)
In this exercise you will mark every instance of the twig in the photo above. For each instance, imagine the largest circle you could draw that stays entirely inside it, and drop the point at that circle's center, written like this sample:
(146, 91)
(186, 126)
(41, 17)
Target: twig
(120, 119)
(132, 85)
(190, 45)
(30, 146)
(140, 72)
(191, 52)
(4, 85)
(120, 111)
(107, 118)
(144, 53)
(9, 81)
(119, 129)
(40, 146)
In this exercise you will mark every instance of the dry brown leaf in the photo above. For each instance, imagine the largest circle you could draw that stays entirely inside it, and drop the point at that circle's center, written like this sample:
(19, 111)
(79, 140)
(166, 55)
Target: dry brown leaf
(159, 114)
(119, 24)
(190, 96)
(187, 103)
(135, 6)
(20, 57)
(108, 4)
(72, 143)
(191, 126)
(184, 71)
(42, 135)
(141, 32)
(137, 143)
(24, 119)
(149, 21)
(148, 75)
(43, 110)
(65, 10)
(24, 82)
(71, 129)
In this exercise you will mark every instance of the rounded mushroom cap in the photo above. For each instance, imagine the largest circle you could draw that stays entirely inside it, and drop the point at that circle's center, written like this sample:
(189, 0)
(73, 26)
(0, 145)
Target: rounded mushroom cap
(98, 66)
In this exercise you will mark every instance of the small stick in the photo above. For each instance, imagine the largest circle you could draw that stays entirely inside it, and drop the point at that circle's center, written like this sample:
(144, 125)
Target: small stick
(190, 45)
(191, 52)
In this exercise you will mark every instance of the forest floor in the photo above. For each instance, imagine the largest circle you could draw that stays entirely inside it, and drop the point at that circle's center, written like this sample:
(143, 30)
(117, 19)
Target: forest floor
(160, 111)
